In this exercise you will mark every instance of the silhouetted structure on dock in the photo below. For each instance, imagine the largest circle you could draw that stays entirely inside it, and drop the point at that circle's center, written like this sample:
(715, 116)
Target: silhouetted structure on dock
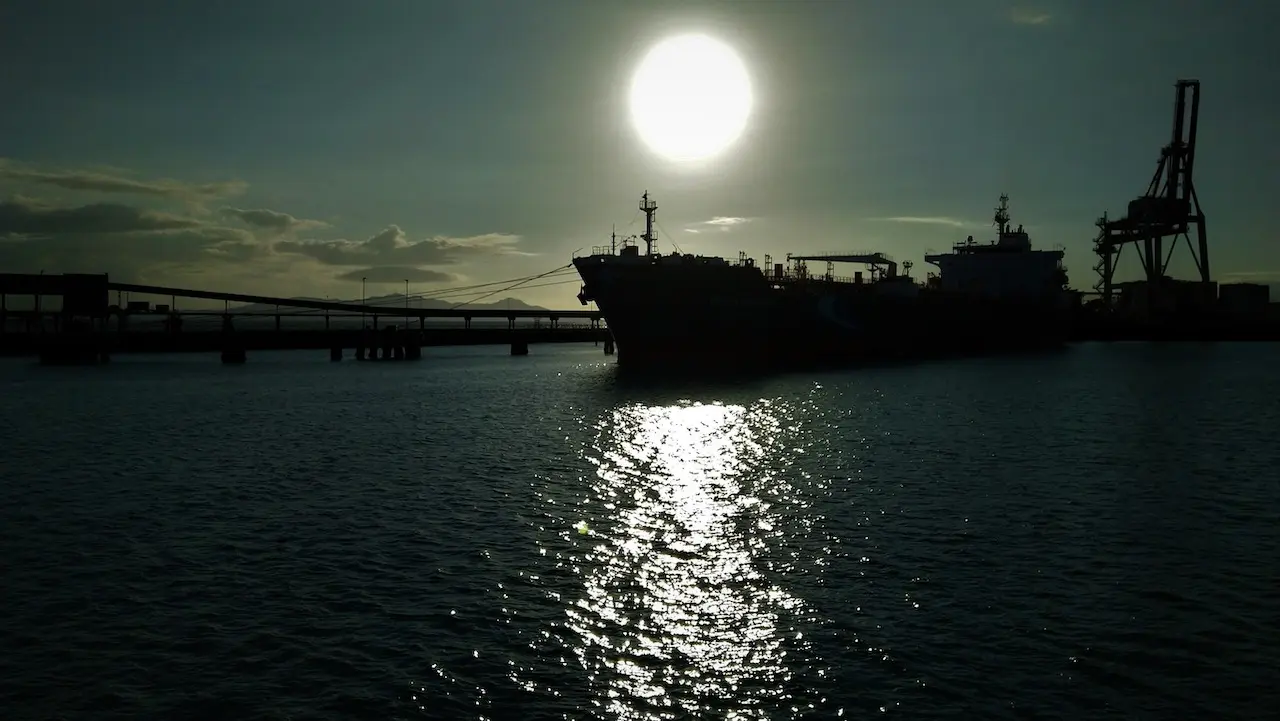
(1158, 306)
(86, 328)
(1169, 209)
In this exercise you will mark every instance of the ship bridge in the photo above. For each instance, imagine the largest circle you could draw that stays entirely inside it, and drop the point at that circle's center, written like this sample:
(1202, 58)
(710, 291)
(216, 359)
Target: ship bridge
(1007, 267)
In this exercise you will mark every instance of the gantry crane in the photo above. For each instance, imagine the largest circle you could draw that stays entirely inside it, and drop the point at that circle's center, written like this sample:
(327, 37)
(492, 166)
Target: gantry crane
(1168, 209)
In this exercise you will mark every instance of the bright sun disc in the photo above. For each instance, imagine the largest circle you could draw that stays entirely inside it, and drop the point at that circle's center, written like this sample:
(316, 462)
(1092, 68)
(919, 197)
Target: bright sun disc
(690, 98)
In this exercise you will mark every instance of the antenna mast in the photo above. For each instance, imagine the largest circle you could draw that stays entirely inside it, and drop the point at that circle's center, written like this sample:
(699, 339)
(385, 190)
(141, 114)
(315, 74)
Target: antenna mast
(649, 207)
(1002, 214)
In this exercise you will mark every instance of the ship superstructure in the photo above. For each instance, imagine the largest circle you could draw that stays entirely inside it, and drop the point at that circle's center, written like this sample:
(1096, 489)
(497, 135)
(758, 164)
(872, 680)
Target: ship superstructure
(1006, 268)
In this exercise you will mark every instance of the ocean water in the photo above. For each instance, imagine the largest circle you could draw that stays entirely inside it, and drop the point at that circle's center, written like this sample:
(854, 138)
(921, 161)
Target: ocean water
(1086, 534)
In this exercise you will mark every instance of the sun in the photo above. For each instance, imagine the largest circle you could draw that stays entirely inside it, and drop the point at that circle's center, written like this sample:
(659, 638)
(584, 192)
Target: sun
(690, 98)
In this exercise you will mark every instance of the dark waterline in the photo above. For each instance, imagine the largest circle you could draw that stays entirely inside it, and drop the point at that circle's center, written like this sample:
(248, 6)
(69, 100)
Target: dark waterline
(1086, 534)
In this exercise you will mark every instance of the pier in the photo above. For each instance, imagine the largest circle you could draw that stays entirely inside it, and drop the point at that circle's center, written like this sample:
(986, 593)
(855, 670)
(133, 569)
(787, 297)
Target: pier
(69, 319)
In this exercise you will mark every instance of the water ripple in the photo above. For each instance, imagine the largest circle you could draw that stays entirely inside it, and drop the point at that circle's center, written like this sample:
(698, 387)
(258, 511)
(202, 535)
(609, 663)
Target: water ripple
(1085, 535)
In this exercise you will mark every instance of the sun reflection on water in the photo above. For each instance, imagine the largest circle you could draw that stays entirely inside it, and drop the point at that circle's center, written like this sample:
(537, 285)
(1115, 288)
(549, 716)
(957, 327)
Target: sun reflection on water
(676, 613)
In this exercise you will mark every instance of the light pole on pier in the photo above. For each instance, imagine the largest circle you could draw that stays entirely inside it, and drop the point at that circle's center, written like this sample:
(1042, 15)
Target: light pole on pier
(362, 301)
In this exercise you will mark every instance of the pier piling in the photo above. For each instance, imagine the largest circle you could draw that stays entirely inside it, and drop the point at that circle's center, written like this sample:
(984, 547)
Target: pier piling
(413, 345)
(233, 350)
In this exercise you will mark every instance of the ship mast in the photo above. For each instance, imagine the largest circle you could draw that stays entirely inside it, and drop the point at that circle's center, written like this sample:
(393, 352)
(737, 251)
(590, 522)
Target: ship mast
(649, 207)
(1002, 215)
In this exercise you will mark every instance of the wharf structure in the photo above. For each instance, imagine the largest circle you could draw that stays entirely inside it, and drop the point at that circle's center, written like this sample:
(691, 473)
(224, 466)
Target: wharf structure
(70, 319)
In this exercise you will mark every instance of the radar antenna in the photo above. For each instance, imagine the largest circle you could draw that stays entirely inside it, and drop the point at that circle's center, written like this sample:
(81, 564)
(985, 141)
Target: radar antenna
(649, 207)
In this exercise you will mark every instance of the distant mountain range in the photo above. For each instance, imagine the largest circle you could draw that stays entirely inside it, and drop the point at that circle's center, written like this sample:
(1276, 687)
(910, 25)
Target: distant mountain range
(397, 301)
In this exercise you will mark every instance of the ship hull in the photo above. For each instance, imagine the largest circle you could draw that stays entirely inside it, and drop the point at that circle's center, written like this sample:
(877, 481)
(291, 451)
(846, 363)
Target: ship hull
(732, 317)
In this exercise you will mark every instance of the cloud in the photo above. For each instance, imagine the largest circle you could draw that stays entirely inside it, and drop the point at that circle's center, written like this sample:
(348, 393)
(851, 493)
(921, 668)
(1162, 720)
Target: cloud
(721, 223)
(112, 238)
(105, 181)
(397, 274)
(125, 255)
(272, 220)
(22, 216)
(177, 240)
(1029, 16)
(927, 220)
(393, 248)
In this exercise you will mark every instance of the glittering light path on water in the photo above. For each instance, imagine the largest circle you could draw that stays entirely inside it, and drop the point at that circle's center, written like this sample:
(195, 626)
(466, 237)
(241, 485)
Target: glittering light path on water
(678, 613)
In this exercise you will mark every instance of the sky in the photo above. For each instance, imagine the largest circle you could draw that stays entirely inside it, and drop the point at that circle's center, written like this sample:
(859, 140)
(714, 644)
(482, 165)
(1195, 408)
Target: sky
(293, 147)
